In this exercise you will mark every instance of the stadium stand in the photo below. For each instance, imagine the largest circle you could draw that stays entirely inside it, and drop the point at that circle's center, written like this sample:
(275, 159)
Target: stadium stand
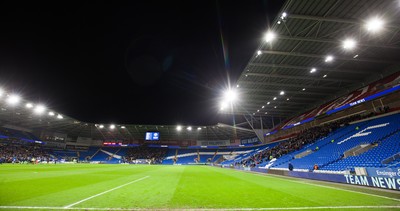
(380, 133)
(154, 154)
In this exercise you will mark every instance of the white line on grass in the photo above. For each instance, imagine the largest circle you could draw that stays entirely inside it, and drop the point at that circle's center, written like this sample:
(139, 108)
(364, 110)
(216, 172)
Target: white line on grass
(352, 191)
(211, 209)
(99, 194)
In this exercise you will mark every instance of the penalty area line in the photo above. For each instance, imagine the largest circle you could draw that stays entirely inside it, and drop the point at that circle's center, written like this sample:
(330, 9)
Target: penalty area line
(104, 192)
(210, 209)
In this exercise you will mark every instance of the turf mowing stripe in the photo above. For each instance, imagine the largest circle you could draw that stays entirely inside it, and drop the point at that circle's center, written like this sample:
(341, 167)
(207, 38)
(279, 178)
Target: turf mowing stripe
(210, 209)
(99, 194)
(335, 188)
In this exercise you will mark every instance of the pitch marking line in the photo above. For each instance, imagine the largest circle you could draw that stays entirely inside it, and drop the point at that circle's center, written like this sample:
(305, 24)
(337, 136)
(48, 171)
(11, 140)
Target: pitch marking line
(352, 191)
(99, 194)
(211, 209)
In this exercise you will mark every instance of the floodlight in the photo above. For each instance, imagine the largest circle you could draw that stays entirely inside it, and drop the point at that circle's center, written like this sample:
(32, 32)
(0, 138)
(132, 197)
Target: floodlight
(1, 92)
(275, 106)
(101, 126)
(349, 44)
(29, 105)
(270, 36)
(51, 113)
(189, 128)
(179, 128)
(313, 70)
(112, 127)
(266, 112)
(39, 109)
(259, 53)
(237, 85)
(274, 98)
(122, 127)
(230, 96)
(287, 99)
(329, 58)
(258, 110)
(325, 76)
(284, 15)
(282, 93)
(374, 24)
(59, 116)
(254, 113)
(262, 106)
(268, 103)
(304, 89)
(13, 99)
(355, 56)
(223, 105)
(199, 128)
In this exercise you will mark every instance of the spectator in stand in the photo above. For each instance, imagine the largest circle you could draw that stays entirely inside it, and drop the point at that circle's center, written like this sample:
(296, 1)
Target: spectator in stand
(290, 166)
(305, 137)
(156, 155)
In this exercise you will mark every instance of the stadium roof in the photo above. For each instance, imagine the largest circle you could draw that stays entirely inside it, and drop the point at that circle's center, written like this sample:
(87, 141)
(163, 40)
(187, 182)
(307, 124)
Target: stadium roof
(300, 39)
(27, 117)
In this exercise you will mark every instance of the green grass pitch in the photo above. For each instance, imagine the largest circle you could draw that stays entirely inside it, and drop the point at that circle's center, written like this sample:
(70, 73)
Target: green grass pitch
(127, 187)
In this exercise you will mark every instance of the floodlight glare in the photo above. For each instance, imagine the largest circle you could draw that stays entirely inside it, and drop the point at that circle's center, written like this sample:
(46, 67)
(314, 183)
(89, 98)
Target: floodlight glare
(270, 36)
(51, 113)
(374, 24)
(223, 105)
(189, 128)
(349, 44)
(313, 70)
(287, 99)
(179, 128)
(258, 110)
(325, 76)
(329, 58)
(282, 93)
(230, 96)
(112, 127)
(284, 15)
(237, 85)
(29, 105)
(59, 116)
(274, 98)
(304, 89)
(262, 106)
(199, 128)
(259, 53)
(13, 99)
(122, 127)
(1, 92)
(275, 106)
(268, 103)
(101, 126)
(39, 109)
(266, 112)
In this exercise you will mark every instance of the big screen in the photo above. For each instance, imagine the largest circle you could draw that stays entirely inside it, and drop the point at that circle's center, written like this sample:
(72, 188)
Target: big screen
(152, 136)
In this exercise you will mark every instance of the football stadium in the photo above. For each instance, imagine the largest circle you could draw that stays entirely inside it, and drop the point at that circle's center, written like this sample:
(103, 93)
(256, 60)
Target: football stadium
(311, 121)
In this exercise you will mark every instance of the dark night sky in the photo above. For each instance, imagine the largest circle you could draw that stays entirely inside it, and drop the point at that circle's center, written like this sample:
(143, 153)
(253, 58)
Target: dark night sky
(142, 63)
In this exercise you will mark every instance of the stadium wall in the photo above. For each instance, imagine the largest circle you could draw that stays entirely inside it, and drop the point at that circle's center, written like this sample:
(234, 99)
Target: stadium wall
(392, 183)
